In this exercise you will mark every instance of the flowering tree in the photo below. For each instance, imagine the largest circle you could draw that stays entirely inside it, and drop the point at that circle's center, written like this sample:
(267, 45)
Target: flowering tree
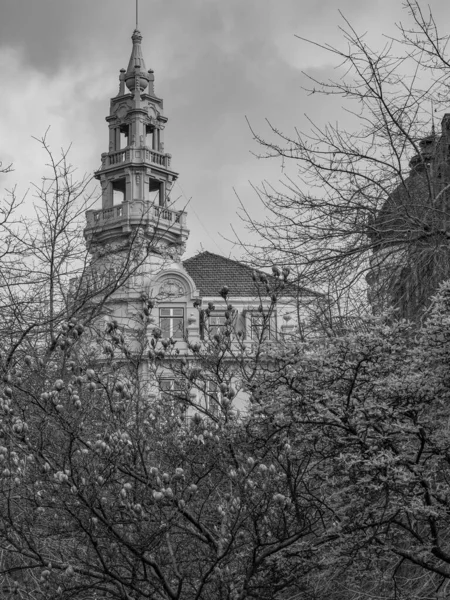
(332, 484)
(105, 492)
(376, 406)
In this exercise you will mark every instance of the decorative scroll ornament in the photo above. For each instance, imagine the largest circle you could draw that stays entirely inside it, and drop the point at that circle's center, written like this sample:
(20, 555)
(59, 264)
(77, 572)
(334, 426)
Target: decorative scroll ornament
(171, 288)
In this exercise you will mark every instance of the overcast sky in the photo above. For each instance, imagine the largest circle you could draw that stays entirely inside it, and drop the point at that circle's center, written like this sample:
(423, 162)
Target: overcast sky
(216, 62)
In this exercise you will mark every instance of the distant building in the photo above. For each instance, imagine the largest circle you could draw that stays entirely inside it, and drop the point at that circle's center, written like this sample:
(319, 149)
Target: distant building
(411, 233)
(136, 178)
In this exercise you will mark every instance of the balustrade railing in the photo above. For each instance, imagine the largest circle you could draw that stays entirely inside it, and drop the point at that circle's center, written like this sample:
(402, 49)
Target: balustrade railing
(167, 214)
(135, 210)
(107, 213)
(119, 157)
(136, 155)
(156, 157)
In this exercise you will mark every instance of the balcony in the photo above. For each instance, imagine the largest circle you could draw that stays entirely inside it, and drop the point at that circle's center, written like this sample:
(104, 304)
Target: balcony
(135, 155)
(171, 216)
(135, 212)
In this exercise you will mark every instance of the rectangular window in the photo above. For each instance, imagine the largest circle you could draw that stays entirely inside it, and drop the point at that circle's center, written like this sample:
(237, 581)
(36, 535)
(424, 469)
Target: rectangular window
(149, 136)
(171, 322)
(262, 327)
(124, 132)
(172, 394)
(170, 387)
(215, 323)
(119, 187)
(212, 398)
(155, 191)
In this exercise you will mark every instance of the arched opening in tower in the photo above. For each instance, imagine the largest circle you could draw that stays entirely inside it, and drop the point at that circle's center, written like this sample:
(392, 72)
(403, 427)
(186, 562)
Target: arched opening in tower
(156, 190)
(119, 187)
(124, 136)
(150, 137)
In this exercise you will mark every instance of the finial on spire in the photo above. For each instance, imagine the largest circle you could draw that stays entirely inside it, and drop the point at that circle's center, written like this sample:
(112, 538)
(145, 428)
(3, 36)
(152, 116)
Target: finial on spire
(136, 59)
(137, 14)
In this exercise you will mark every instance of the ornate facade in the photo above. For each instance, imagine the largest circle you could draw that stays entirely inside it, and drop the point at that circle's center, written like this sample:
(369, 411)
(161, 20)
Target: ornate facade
(139, 230)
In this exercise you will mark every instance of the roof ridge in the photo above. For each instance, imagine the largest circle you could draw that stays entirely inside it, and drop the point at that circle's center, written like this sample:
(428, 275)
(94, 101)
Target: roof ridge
(213, 254)
(290, 285)
(232, 260)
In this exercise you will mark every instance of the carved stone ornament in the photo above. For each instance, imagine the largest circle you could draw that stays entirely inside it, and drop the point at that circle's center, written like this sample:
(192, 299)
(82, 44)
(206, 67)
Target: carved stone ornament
(122, 111)
(171, 288)
(176, 251)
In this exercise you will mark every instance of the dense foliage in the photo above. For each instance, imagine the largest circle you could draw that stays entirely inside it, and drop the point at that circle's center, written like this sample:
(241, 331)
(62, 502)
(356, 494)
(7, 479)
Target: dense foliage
(334, 483)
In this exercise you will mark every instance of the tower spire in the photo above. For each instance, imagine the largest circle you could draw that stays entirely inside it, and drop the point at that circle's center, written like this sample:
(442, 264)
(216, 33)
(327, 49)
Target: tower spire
(136, 64)
(136, 173)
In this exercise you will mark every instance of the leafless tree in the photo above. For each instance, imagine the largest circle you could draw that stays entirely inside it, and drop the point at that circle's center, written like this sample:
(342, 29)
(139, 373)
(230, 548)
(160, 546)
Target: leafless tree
(370, 200)
(5, 168)
(105, 491)
(49, 275)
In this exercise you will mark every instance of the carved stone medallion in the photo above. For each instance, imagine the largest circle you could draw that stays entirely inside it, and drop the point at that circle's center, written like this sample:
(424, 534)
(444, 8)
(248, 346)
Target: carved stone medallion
(171, 288)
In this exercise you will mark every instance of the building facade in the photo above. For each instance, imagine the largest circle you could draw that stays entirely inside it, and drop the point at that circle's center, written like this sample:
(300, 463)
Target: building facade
(139, 231)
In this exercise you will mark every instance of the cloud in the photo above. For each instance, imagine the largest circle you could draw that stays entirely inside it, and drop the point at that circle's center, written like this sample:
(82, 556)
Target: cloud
(215, 62)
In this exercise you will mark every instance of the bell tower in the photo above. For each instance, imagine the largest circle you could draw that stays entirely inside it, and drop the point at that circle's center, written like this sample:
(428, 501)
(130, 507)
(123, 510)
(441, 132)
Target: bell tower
(136, 175)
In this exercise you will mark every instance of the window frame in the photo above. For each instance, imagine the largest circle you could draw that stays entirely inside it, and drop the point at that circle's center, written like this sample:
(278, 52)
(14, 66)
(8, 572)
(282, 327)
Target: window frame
(255, 333)
(209, 330)
(212, 397)
(175, 385)
(171, 318)
(169, 395)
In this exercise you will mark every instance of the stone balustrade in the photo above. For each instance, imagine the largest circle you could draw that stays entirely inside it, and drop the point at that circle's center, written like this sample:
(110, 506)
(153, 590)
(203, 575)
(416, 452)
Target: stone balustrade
(173, 216)
(136, 155)
(136, 210)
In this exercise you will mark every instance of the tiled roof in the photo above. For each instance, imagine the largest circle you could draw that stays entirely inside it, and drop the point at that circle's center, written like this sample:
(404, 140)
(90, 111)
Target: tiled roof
(211, 272)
